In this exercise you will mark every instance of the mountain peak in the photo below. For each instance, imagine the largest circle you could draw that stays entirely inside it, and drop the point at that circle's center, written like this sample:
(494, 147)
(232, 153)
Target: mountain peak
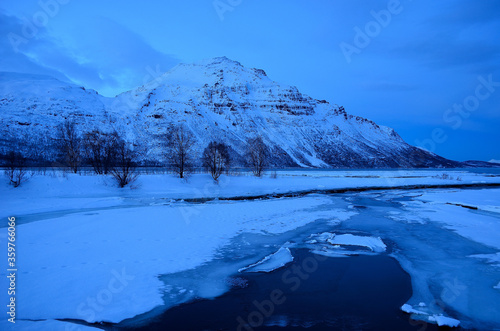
(225, 62)
(218, 70)
(220, 60)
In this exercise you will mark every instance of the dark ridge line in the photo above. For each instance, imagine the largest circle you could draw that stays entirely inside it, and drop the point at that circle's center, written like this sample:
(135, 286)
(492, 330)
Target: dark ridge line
(461, 205)
(335, 191)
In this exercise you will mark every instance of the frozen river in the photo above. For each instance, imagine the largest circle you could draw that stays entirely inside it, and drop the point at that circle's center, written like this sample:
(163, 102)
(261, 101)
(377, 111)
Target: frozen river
(129, 261)
(449, 276)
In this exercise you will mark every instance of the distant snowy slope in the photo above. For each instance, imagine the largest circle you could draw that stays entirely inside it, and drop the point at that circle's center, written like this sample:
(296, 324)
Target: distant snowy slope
(41, 101)
(216, 99)
(31, 107)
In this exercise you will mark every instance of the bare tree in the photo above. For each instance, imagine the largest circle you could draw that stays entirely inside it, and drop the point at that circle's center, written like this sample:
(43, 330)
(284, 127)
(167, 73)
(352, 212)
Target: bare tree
(216, 159)
(16, 170)
(69, 145)
(123, 166)
(257, 155)
(179, 148)
(100, 150)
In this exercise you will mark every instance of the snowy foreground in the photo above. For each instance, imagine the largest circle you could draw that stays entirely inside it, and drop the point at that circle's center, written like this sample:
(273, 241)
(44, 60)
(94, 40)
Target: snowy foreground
(89, 251)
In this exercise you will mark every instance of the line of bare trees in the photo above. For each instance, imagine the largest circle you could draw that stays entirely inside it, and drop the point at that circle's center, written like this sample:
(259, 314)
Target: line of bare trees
(108, 153)
(180, 153)
(105, 152)
(216, 159)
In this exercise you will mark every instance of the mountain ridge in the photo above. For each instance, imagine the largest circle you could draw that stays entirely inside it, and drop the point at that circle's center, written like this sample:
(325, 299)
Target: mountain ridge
(216, 99)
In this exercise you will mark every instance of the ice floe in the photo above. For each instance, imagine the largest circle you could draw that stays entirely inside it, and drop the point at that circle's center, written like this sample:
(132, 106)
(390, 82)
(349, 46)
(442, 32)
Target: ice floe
(338, 245)
(271, 262)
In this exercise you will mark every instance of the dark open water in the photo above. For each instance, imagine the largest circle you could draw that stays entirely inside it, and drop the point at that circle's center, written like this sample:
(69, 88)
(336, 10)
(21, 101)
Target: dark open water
(312, 293)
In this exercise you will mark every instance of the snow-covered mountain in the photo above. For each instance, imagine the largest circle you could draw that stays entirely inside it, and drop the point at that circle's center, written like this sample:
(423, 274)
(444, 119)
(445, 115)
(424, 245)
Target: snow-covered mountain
(217, 99)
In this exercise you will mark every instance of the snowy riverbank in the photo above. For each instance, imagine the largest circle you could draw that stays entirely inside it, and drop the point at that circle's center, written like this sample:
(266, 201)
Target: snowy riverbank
(65, 192)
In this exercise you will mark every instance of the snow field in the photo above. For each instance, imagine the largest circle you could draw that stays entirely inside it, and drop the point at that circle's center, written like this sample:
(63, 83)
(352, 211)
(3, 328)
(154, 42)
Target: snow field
(104, 266)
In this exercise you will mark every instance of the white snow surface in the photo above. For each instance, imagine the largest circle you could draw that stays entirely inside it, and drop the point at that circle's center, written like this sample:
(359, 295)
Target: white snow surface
(447, 208)
(444, 321)
(60, 192)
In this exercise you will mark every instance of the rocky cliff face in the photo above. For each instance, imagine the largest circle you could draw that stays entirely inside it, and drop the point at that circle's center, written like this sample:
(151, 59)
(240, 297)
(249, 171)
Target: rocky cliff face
(217, 99)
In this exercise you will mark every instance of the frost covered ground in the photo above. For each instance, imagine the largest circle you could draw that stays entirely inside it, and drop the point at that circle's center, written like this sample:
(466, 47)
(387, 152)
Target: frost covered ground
(90, 251)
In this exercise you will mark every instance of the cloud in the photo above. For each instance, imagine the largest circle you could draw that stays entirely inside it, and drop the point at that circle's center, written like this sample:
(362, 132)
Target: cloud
(14, 47)
(456, 34)
(99, 54)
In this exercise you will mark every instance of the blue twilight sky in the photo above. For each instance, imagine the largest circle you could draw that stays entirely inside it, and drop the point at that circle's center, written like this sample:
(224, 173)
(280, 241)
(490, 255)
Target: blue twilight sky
(429, 69)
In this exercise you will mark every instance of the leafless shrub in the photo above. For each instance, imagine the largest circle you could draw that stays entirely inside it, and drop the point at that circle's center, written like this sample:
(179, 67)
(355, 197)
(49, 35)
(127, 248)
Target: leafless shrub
(257, 155)
(446, 176)
(100, 150)
(16, 170)
(69, 145)
(180, 144)
(216, 159)
(123, 167)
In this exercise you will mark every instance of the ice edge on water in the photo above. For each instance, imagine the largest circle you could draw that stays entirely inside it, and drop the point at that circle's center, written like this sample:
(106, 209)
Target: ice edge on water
(271, 262)
(438, 319)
